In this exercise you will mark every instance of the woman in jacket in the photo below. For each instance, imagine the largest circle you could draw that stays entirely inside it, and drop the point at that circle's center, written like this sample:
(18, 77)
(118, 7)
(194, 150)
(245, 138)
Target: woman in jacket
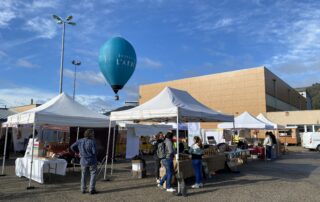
(196, 152)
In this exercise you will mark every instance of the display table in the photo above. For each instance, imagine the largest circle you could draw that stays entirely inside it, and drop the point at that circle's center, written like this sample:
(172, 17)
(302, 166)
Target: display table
(260, 151)
(40, 166)
(214, 163)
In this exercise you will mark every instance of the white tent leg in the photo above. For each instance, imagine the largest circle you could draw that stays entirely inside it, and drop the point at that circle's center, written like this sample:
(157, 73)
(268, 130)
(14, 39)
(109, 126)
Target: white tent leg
(4, 151)
(113, 145)
(32, 148)
(234, 130)
(78, 133)
(177, 159)
(107, 153)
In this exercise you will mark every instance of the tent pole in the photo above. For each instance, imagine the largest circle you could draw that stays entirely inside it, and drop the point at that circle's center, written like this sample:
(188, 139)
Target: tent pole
(32, 148)
(178, 165)
(4, 151)
(78, 133)
(113, 145)
(107, 153)
(234, 130)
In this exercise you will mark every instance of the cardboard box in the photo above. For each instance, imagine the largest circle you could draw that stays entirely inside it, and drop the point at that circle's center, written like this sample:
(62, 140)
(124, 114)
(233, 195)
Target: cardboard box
(139, 174)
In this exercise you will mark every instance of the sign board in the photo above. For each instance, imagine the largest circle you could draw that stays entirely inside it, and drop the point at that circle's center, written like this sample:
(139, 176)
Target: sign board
(193, 130)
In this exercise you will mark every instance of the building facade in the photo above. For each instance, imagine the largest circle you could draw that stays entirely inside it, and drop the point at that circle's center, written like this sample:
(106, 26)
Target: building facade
(256, 90)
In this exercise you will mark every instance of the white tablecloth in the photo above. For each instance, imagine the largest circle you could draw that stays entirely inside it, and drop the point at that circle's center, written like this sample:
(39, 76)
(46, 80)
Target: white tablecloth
(40, 166)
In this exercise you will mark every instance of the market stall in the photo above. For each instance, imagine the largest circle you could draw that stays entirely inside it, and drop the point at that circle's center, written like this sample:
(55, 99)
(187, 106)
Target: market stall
(135, 131)
(246, 121)
(170, 105)
(61, 111)
(275, 128)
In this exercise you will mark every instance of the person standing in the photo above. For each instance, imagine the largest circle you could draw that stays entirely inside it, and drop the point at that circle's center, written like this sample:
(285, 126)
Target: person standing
(156, 143)
(88, 159)
(268, 145)
(274, 153)
(196, 152)
(168, 163)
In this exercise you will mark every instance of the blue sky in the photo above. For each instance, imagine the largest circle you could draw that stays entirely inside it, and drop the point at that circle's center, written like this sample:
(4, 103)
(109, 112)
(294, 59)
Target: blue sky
(173, 39)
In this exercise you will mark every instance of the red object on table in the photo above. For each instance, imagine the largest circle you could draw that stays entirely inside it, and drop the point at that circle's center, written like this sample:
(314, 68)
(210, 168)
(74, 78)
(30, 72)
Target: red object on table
(260, 151)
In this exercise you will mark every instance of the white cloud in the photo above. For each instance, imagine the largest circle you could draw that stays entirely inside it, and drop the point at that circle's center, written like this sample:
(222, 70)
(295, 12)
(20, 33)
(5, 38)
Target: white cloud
(5, 17)
(298, 42)
(89, 77)
(149, 63)
(223, 23)
(45, 28)
(19, 96)
(39, 4)
(25, 63)
(22, 96)
(7, 13)
(97, 103)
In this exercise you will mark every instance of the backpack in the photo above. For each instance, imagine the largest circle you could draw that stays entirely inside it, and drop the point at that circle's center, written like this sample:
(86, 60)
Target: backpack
(161, 150)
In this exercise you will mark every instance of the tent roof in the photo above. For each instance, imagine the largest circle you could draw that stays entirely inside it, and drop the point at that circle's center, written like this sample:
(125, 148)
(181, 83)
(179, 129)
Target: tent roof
(262, 118)
(147, 129)
(169, 104)
(244, 121)
(61, 110)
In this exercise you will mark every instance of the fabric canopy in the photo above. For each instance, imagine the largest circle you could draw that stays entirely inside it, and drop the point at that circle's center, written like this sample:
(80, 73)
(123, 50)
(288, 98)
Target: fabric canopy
(147, 130)
(274, 126)
(61, 110)
(169, 104)
(244, 121)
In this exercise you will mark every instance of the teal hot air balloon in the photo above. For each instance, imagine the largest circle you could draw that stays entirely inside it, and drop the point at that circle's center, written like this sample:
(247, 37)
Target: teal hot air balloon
(117, 61)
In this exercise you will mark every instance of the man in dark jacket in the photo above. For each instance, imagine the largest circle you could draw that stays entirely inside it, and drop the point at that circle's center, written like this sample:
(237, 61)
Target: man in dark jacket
(88, 154)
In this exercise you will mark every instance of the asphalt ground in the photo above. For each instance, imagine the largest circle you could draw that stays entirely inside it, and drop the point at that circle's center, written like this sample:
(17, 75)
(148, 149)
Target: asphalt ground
(293, 177)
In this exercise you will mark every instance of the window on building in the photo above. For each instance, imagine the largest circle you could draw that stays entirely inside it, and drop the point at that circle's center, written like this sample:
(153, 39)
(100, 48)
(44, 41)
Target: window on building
(301, 128)
(317, 128)
(309, 128)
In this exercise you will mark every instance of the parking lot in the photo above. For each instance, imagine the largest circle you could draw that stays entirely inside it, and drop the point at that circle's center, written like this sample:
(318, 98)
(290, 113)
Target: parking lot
(293, 177)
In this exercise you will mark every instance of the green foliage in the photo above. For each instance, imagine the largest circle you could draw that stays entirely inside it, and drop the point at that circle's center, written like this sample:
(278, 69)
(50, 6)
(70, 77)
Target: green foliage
(314, 92)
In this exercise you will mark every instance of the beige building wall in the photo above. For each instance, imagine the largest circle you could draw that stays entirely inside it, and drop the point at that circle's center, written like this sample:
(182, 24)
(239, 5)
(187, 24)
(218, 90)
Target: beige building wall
(232, 92)
(306, 117)
(24, 108)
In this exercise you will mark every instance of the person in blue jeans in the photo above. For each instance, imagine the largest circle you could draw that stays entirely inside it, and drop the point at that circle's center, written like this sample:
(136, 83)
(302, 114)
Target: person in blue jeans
(88, 159)
(196, 152)
(268, 145)
(168, 163)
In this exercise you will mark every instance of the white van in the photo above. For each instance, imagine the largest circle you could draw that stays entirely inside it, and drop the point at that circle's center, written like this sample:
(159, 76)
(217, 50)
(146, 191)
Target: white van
(311, 140)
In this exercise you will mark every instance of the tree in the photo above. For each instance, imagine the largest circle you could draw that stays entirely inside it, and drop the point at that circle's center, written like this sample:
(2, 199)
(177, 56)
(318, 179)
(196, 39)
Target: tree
(314, 92)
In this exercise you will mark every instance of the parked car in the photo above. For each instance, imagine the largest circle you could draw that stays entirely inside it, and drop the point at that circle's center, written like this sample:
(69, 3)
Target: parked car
(311, 140)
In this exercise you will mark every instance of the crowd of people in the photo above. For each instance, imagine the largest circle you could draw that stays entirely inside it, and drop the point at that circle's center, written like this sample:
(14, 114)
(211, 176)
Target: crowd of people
(164, 151)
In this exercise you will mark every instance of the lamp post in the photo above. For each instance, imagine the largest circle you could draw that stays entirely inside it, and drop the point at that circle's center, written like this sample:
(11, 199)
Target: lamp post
(75, 63)
(59, 20)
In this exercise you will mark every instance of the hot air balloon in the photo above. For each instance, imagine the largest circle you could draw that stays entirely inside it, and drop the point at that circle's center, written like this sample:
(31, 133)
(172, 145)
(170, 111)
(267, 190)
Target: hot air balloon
(117, 61)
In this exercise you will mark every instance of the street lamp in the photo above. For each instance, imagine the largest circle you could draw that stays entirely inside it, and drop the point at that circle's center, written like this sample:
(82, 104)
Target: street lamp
(59, 20)
(75, 63)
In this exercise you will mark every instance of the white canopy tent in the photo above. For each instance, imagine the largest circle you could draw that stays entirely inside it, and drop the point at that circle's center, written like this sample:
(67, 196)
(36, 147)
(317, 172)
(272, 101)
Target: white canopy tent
(61, 110)
(263, 119)
(245, 121)
(170, 105)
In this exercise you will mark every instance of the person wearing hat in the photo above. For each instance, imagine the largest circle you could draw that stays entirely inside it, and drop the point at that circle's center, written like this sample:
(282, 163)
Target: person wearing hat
(88, 159)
